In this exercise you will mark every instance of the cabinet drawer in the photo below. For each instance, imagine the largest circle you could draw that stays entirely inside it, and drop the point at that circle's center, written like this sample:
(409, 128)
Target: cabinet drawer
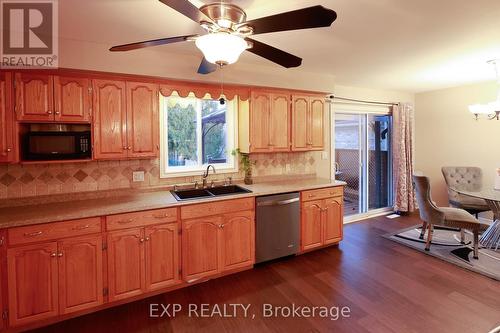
(322, 193)
(51, 231)
(215, 208)
(138, 219)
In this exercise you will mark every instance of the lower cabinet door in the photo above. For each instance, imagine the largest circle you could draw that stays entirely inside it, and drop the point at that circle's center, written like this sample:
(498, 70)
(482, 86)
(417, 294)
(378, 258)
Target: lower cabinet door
(311, 222)
(32, 280)
(200, 248)
(80, 273)
(332, 227)
(162, 256)
(237, 240)
(125, 263)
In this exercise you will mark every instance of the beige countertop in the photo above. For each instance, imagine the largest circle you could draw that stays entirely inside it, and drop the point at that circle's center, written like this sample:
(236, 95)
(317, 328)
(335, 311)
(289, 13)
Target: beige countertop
(49, 209)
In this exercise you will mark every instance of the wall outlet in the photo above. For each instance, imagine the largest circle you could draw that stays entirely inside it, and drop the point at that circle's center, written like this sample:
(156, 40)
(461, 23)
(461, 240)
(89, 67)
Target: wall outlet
(138, 176)
(324, 155)
(288, 168)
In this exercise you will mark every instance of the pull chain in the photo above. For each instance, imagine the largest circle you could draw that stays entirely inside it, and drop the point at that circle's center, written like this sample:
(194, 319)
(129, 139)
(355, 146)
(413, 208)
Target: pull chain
(222, 99)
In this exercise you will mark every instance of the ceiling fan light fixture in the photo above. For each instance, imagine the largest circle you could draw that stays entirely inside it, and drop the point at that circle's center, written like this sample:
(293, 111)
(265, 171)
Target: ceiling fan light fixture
(221, 47)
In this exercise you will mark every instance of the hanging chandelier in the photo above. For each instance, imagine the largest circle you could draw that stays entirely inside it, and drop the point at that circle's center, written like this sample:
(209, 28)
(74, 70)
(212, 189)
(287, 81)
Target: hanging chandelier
(490, 110)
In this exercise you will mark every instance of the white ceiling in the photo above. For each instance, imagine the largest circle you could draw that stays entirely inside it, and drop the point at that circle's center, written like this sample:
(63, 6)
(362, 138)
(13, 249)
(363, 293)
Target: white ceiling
(406, 45)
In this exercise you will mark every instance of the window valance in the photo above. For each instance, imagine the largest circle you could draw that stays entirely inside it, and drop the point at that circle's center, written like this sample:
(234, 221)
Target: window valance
(200, 90)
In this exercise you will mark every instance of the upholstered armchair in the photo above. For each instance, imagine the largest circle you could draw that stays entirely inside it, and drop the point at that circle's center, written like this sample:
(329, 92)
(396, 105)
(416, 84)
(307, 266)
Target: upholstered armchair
(432, 215)
(464, 178)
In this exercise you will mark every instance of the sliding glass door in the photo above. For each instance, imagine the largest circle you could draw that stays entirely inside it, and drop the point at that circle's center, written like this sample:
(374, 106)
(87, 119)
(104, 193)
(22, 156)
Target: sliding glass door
(363, 160)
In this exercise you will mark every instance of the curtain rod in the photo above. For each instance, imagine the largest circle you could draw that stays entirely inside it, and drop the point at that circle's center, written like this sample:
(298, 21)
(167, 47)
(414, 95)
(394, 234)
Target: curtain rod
(332, 97)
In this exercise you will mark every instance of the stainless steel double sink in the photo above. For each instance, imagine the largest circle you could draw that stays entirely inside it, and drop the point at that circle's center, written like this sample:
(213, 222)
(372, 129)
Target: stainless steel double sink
(182, 195)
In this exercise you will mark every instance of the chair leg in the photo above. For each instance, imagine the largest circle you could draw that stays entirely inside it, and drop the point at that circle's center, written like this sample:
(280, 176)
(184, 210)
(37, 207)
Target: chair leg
(429, 238)
(476, 244)
(422, 233)
(462, 236)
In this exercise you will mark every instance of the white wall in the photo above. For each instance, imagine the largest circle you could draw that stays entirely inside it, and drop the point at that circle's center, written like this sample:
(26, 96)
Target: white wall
(448, 135)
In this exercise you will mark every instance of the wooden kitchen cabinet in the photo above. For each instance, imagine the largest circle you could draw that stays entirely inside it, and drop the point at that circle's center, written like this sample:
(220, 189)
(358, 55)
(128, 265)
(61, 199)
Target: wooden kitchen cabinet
(200, 248)
(72, 99)
(34, 97)
(321, 217)
(33, 283)
(80, 273)
(222, 240)
(260, 109)
(110, 119)
(142, 259)
(311, 221)
(126, 268)
(142, 119)
(162, 256)
(125, 119)
(307, 122)
(7, 149)
(332, 220)
(269, 121)
(237, 240)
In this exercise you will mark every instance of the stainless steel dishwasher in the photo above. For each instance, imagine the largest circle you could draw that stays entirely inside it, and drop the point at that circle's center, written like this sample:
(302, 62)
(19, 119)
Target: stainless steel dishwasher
(278, 226)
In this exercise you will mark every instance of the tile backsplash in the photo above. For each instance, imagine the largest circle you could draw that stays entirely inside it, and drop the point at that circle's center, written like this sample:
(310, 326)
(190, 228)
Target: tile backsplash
(29, 180)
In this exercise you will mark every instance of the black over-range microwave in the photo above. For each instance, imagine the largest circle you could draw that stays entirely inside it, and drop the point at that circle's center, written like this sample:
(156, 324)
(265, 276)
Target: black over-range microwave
(48, 145)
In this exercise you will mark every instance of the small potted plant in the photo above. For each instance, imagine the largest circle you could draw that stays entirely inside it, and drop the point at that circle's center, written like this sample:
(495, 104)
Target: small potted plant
(246, 164)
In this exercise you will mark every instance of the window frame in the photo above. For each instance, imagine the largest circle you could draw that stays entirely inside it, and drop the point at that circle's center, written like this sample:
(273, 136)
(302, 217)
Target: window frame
(231, 118)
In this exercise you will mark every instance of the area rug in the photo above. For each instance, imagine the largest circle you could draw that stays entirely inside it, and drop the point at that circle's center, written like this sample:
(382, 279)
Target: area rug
(446, 246)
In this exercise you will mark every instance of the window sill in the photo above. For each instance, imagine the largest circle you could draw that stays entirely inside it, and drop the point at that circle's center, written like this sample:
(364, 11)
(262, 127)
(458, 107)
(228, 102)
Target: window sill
(174, 174)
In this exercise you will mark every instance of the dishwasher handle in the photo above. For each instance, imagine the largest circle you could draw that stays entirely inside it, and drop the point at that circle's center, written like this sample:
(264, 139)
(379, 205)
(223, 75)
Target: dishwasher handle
(277, 203)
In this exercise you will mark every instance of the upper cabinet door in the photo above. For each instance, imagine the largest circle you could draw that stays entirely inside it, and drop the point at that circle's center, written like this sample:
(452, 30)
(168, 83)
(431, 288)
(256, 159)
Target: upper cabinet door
(72, 99)
(162, 256)
(32, 281)
(142, 119)
(80, 273)
(311, 222)
(34, 97)
(200, 248)
(125, 263)
(6, 119)
(332, 228)
(110, 119)
(279, 136)
(316, 128)
(237, 240)
(260, 112)
(300, 123)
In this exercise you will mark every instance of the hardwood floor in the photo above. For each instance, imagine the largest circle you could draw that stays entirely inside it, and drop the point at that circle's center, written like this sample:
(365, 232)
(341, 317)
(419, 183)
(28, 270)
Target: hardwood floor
(388, 288)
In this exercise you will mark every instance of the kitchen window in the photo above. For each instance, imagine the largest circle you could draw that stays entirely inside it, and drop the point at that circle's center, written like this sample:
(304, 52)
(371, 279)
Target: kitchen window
(196, 132)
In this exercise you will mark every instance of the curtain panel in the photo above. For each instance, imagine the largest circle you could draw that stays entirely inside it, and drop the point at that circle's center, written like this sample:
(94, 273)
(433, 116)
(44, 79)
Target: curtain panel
(403, 157)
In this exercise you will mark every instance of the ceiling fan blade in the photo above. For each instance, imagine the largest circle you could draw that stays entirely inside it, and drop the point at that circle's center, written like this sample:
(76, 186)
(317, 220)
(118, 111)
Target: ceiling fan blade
(273, 54)
(148, 43)
(186, 8)
(206, 67)
(306, 18)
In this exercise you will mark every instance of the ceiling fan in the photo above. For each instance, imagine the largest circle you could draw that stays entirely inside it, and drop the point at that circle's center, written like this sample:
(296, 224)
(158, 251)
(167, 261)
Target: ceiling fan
(228, 32)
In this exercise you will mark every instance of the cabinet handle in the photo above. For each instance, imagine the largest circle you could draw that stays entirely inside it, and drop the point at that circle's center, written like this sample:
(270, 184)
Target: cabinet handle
(125, 221)
(33, 234)
(53, 254)
(161, 216)
(9, 150)
(49, 112)
(60, 254)
(81, 227)
(193, 280)
(141, 240)
(221, 226)
(124, 147)
(57, 112)
(129, 148)
(311, 195)
(147, 239)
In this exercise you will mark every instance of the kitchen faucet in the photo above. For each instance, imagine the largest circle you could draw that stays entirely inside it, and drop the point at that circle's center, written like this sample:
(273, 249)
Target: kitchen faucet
(205, 174)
